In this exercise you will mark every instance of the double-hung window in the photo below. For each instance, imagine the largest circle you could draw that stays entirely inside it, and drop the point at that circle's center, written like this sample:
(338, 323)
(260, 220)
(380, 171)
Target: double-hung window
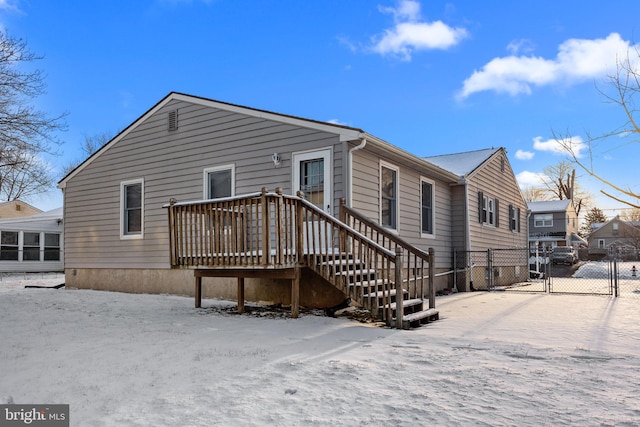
(9, 246)
(132, 209)
(31, 246)
(427, 204)
(389, 197)
(51, 247)
(219, 182)
(488, 209)
(514, 218)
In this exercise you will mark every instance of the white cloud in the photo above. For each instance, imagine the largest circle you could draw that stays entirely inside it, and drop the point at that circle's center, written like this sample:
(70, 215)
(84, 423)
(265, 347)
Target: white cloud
(9, 5)
(554, 146)
(524, 155)
(410, 33)
(517, 46)
(530, 179)
(578, 60)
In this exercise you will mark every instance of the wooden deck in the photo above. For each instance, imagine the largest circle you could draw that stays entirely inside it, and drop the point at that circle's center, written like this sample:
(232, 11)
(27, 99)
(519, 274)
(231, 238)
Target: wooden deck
(272, 235)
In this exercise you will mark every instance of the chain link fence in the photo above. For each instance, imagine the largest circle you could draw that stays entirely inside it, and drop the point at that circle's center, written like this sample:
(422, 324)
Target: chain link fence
(522, 270)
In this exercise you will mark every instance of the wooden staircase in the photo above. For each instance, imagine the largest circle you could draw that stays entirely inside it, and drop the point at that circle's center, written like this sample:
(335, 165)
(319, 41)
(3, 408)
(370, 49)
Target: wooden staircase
(376, 295)
(275, 235)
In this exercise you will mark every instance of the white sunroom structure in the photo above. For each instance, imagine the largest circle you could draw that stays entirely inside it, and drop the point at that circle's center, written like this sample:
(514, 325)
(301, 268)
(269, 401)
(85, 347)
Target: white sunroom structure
(33, 243)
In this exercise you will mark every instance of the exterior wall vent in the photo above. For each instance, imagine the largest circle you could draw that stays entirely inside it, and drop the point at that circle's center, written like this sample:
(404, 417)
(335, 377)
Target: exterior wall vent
(173, 120)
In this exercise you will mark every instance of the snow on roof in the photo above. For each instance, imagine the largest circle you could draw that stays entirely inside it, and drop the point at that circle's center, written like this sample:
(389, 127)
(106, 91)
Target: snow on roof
(53, 214)
(462, 163)
(549, 206)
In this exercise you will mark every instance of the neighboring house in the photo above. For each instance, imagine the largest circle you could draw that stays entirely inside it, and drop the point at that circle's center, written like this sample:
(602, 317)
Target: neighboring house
(553, 223)
(17, 209)
(615, 238)
(192, 148)
(32, 244)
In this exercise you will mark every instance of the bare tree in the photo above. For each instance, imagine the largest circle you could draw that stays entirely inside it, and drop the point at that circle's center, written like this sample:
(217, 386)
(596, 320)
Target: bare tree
(534, 194)
(88, 146)
(630, 215)
(626, 85)
(559, 182)
(25, 132)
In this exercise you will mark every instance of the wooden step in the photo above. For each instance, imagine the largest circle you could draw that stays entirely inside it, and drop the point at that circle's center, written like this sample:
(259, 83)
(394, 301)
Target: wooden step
(341, 264)
(418, 318)
(358, 275)
(406, 303)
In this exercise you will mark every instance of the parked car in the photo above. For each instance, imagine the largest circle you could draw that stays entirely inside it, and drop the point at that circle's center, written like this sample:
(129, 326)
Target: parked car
(564, 255)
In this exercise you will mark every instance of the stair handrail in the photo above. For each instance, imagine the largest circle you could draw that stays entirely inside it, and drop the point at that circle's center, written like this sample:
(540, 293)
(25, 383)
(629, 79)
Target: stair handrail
(425, 256)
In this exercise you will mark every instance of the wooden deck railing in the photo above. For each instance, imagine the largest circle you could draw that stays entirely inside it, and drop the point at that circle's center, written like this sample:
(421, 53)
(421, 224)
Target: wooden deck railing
(270, 230)
(418, 265)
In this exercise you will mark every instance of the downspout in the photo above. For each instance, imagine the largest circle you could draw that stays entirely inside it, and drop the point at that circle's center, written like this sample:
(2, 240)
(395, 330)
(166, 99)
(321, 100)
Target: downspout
(350, 170)
(467, 228)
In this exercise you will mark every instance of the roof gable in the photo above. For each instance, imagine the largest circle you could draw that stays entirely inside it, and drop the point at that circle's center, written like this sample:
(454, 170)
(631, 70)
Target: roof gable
(345, 133)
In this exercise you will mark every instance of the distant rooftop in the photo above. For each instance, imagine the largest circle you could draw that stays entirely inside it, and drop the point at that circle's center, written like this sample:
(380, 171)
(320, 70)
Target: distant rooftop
(549, 206)
(462, 163)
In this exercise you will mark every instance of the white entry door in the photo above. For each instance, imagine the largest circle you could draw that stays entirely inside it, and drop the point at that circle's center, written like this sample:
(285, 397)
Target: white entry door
(312, 175)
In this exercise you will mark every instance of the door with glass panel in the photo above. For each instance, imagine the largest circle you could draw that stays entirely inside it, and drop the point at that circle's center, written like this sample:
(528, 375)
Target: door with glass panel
(312, 176)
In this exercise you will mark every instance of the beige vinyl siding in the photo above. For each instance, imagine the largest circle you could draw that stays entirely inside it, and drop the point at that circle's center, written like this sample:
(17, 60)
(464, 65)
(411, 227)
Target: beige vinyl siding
(459, 217)
(366, 199)
(500, 185)
(171, 164)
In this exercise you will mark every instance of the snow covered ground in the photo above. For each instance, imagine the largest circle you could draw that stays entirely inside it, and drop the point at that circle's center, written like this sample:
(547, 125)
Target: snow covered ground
(499, 359)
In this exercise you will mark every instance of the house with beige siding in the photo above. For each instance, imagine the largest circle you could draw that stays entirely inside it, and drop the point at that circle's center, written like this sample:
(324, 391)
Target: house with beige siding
(17, 209)
(488, 212)
(615, 238)
(187, 150)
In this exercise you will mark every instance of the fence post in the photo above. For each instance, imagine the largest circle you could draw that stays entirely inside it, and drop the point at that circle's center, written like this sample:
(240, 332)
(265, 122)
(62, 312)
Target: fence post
(432, 270)
(279, 225)
(299, 229)
(615, 277)
(399, 291)
(489, 270)
(265, 227)
(172, 233)
(342, 215)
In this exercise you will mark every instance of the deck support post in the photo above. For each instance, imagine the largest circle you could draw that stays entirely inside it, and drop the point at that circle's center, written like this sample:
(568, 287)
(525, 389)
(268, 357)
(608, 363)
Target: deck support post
(399, 290)
(198, 291)
(295, 293)
(240, 295)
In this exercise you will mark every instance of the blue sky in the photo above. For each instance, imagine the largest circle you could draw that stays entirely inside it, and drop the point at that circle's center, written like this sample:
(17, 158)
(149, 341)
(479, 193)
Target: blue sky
(431, 77)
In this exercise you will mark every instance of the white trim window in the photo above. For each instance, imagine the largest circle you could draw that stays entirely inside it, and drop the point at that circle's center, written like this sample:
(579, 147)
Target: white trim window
(514, 218)
(543, 220)
(30, 246)
(219, 182)
(427, 204)
(9, 246)
(389, 196)
(488, 208)
(132, 209)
